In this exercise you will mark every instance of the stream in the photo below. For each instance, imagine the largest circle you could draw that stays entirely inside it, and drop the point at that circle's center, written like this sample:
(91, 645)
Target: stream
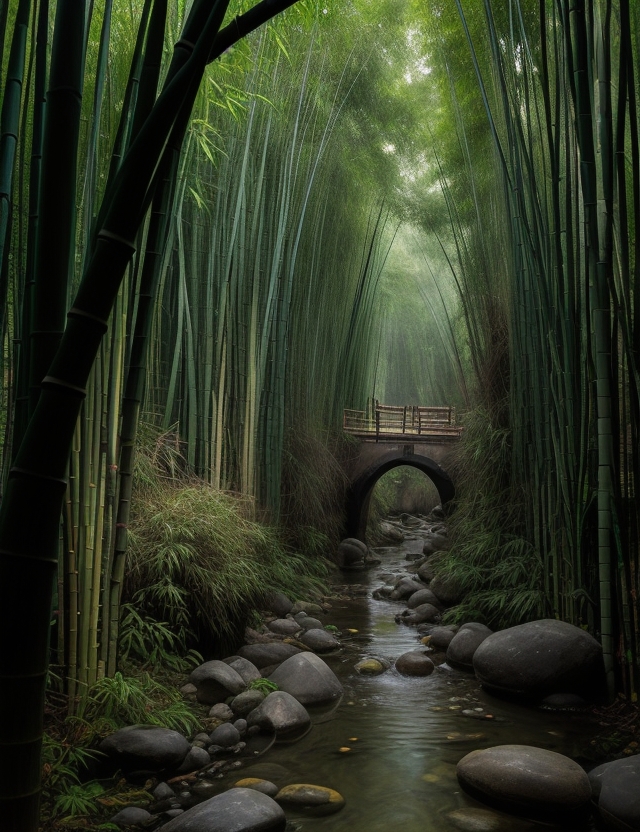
(391, 745)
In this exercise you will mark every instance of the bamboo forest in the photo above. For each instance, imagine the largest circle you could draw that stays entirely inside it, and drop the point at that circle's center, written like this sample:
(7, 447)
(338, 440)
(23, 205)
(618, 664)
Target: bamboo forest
(319, 415)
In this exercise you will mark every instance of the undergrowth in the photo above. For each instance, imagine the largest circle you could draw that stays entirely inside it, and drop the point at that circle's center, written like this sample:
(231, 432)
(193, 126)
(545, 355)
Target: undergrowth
(198, 561)
(72, 797)
(496, 569)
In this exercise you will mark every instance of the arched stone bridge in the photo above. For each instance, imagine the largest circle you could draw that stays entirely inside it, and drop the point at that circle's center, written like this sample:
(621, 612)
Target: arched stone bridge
(389, 436)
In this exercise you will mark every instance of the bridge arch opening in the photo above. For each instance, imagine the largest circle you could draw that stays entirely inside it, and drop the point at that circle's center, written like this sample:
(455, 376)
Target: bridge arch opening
(403, 490)
(361, 490)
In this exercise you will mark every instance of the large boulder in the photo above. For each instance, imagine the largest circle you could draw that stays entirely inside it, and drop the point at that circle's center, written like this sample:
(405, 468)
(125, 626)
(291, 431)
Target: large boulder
(464, 644)
(145, 748)
(281, 713)
(542, 657)
(616, 792)
(264, 655)
(307, 678)
(216, 681)
(236, 810)
(526, 780)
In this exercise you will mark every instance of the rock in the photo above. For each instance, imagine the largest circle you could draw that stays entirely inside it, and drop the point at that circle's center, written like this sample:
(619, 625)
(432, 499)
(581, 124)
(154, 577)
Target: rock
(308, 622)
(616, 791)
(426, 573)
(405, 588)
(424, 612)
(246, 701)
(241, 726)
(314, 800)
(145, 748)
(351, 553)
(423, 596)
(236, 810)
(264, 786)
(435, 543)
(564, 702)
(196, 759)
(262, 655)
(382, 592)
(221, 711)
(216, 681)
(306, 606)
(225, 735)
(320, 641)
(163, 791)
(131, 816)
(371, 666)
(414, 663)
(284, 626)
(278, 603)
(281, 713)
(308, 678)
(188, 690)
(440, 637)
(391, 532)
(464, 644)
(471, 819)
(446, 590)
(244, 668)
(523, 779)
(539, 658)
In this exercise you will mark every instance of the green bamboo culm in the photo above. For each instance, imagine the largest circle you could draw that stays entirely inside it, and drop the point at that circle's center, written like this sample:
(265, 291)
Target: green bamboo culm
(38, 477)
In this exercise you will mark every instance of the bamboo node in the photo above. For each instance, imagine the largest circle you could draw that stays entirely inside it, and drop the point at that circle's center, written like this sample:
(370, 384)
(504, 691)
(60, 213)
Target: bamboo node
(74, 312)
(51, 381)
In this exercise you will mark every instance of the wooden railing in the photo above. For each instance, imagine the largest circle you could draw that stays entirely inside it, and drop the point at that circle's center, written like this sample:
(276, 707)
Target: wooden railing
(383, 421)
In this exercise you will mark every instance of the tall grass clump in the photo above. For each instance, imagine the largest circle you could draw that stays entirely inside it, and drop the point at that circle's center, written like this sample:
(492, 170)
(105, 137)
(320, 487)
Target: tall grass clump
(200, 562)
(498, 572)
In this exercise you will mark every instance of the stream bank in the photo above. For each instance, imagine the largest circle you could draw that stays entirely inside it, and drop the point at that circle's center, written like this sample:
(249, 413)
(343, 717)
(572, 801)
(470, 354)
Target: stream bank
(391, 744)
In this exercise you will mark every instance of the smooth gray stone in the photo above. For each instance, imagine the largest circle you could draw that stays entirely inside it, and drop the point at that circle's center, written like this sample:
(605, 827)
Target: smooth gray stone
(145, 747)
(236, 810)
(446, 590)
(405, 588)
(540, 658)
(616, 789)
(131, 816)
(225, 735)
(422, 613)
(423, 596)
(216, 681)
(307, 678)
(244, 668)
(263, 655)
(308, 622)
(281, 713)
(246, 702)
(320, 641)
(278, 603)
(414, 663)
(464, 644)
(523, 778)
(284, 626)
(440, 637)
(196, 759)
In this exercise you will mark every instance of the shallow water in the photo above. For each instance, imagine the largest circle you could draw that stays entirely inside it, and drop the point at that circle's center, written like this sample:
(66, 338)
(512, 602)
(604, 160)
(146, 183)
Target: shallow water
(405, 734)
